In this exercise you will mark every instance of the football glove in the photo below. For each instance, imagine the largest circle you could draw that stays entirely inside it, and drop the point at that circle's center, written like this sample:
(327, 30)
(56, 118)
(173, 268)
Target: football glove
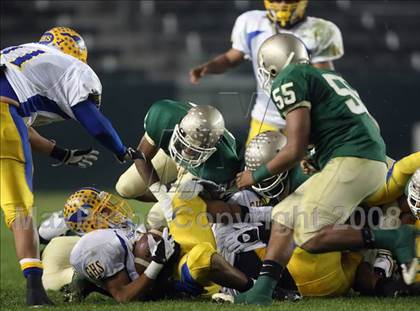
(130, 154)
(206, 188)
(83, 158)
(165, 201)
(241, 238)
(161, 253)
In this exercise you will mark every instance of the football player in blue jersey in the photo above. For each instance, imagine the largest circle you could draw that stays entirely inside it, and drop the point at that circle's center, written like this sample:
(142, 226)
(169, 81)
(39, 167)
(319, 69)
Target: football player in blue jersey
(44, 82)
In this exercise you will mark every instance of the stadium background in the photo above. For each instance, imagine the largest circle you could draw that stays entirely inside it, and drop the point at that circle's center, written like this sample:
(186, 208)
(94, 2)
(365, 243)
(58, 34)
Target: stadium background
(143, 50)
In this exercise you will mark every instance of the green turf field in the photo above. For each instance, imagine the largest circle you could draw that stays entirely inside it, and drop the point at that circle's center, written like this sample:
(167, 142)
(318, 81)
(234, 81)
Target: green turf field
(12, 286)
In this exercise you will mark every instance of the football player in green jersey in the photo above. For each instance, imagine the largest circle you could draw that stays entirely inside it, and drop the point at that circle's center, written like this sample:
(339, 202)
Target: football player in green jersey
(323, 110)
(180, 138)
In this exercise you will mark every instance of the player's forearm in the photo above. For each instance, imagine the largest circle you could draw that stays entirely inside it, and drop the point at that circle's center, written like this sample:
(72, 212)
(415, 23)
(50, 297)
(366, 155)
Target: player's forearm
(135, 290)
(285, 160)
(220, 64)
(99, 127)
(39, 143)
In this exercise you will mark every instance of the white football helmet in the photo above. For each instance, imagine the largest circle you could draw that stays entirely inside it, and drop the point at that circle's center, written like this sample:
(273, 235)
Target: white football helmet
(194, 139)
(413, 197)
(275, 54)
(261, 150)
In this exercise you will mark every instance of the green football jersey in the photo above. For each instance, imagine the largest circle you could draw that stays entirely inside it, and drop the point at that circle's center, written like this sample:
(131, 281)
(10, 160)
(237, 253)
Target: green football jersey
(159, 125)
(341, 126)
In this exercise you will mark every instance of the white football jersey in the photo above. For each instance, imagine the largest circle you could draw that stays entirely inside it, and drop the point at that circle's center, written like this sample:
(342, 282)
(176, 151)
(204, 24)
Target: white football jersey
(101, 254)
(322, 38)
(48, 82)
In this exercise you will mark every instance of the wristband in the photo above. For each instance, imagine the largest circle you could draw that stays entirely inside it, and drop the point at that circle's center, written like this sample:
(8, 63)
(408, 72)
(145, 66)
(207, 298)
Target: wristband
(261, 173)
(59, 153)
(152, 271)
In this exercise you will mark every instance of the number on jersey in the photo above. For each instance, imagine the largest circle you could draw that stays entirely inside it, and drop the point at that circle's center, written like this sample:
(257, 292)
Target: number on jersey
(342, 88)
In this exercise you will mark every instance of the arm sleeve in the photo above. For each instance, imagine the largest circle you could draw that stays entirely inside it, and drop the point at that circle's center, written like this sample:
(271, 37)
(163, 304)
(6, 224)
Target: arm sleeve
(239, 38)
(330, 44)
(291, 91)
(98, 126)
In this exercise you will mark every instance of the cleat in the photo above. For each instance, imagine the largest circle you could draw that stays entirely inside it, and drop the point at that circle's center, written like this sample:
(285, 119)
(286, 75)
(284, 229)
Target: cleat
(35, 293)
(252, 298)
(222, 298)
(410, 270)
(384, 265)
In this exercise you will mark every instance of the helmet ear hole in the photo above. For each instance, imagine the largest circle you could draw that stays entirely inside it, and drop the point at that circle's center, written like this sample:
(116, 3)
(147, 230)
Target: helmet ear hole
(273, 71)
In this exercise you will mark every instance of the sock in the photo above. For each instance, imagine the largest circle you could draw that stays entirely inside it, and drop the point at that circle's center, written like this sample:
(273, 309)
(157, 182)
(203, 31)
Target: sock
(269, 276)
(31, 267)
(379, 238)
(271, 269)
(397, 241)
(248, 285)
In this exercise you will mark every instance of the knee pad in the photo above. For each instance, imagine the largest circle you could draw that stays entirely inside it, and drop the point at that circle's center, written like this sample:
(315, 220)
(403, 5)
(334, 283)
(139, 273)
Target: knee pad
(131, 185)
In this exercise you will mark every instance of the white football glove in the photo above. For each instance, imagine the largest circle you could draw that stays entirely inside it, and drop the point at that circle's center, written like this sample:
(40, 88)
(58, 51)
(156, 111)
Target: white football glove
(165, 201)
(241, 239)
(83, 158)
(190, 189)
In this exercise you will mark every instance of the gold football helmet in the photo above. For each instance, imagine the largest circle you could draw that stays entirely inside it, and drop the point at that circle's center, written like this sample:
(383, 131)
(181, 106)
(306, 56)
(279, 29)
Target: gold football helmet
(195, 138)
(287, 12)
(66, 40)
(89, 209)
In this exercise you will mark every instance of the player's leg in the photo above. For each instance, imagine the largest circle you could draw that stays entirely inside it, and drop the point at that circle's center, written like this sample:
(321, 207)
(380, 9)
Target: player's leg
(256, 127)
(396, 180)
(58, 271)
(226, 275)
(17, 199)
(278, 253)
(201, 268)
(131, 185)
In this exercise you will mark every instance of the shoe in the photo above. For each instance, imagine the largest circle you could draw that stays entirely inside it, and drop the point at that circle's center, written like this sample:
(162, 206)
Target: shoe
(407, 254)
(35, 292)
(384, 265)
(222, 298)
(253, 298)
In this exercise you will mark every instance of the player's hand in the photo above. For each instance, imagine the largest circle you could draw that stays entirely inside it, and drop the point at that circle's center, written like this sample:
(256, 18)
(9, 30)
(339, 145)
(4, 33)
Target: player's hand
(83, 158)
(189, 189)
(197, 73)
(244, 179)
(307, 166)
(131, 154)
(241, 238)
(215, 191)
(165, 201)
(163, 249)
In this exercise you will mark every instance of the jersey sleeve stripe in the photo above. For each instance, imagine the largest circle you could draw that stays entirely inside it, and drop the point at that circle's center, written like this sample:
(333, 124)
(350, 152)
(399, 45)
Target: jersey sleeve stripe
(304, 103)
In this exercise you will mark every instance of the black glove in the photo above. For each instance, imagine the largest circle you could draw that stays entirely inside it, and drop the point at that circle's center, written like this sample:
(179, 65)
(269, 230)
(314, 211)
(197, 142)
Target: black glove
(211, 190)
(81, 157)
(131, 154)
(164, 249)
